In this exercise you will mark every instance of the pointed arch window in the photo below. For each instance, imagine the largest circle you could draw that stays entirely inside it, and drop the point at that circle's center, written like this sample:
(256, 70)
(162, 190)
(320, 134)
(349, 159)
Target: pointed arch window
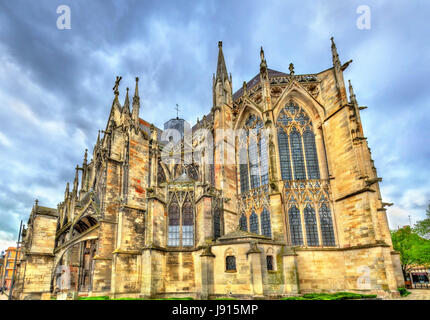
(326, 223)
(295, 226)
(243, 168)
(253, 155)
(174, 220)
(311, 154)
(297, 155)
(296, 142)
(180, 223)
(284, 155)
(266, 229)
(187, 224)
(253, 223)
(217, 223)
(311, 226)
(243, 224)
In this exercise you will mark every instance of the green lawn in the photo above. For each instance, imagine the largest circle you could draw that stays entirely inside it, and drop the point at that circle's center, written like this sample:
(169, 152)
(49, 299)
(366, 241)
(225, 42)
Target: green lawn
(332, 296)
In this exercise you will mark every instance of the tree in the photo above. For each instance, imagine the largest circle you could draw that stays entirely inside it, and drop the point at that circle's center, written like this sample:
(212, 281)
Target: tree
(423, 227)
(414, 250)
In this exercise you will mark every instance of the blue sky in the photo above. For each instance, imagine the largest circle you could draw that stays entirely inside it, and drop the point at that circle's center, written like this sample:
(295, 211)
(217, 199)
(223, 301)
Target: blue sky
(56, 85)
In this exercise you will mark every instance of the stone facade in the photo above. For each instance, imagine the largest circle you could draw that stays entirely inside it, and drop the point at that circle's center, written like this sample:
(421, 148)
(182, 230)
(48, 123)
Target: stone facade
(294, 208)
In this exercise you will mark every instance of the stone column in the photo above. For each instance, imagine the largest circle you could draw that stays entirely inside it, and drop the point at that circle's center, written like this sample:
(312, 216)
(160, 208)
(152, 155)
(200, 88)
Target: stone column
(207, 268)
(291, 276)
(277, 217)
(254, 259)
(146, 284)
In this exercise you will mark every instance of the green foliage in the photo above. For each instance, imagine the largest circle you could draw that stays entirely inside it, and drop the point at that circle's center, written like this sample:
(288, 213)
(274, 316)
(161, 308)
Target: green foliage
(94, 298)
(185, 298)
(422, 227)
(107, 298)
(332, 296)
(403, 292)
(413, 249)
(128, 299)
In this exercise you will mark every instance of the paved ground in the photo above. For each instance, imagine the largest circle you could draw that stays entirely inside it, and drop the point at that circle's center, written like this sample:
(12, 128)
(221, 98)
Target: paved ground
(417, 294)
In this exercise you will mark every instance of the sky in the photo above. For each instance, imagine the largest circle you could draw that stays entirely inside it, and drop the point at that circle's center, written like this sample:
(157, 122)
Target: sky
(56, 84)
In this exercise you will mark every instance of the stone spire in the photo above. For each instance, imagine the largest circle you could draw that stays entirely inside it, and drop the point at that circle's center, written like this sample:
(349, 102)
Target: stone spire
(136, 105)
(76, 181)
(84, 172)
(351, 93)
(221, 69)
(126, 108)
(335, 55)
(98, 140)
(67, 191)
(222, 86)
(263, 66)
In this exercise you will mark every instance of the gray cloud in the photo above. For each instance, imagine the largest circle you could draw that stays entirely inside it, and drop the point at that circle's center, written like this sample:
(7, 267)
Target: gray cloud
(55, 90)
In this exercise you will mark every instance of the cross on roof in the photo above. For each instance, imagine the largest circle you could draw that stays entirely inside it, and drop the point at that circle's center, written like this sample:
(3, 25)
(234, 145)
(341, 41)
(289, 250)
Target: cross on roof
(177, 111)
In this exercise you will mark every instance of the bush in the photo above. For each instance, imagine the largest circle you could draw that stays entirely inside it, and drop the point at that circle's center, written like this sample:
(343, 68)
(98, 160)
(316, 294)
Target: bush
(403, 292)
(94, 298)
(332, 296)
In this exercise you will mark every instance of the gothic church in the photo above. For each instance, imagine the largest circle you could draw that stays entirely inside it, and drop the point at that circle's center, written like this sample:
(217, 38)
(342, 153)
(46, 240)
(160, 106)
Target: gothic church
(294, 207)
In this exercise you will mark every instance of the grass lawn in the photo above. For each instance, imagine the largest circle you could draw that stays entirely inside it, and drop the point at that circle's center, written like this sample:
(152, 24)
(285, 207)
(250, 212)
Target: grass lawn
(332, 296)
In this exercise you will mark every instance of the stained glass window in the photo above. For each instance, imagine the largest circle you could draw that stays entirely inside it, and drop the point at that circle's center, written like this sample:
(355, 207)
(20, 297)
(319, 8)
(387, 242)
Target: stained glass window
(292, 121)
(284, 155)
(243, 223)
(297, 153)
(187, 224)
(230, 263)
(173, 238)
(244, 180)
(326, 223)
(217, 223)
(264, 160)
(311, 154)
(254, 163)
(253, 222)
(265, 223)
(253, 155)
(295, 226)
(311, 226)
(269, 263)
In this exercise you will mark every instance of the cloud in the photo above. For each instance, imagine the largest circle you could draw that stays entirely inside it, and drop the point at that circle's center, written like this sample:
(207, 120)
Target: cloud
(56, 85)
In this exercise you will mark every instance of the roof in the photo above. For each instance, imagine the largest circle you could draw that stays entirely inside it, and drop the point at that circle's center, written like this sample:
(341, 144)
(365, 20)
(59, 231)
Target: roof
(46, 210)
(256, 80)
(183, 178)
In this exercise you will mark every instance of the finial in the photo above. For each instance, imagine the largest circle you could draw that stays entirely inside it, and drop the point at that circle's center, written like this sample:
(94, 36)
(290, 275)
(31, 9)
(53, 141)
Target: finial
(126, 103)
(245, 88)
(221, 70)
(291, 68)
(351, 92)
(335, 56)
(36, 202)
(86, 156)
(115, 87)
(136, 90)
(177, 111)
(262, 54)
